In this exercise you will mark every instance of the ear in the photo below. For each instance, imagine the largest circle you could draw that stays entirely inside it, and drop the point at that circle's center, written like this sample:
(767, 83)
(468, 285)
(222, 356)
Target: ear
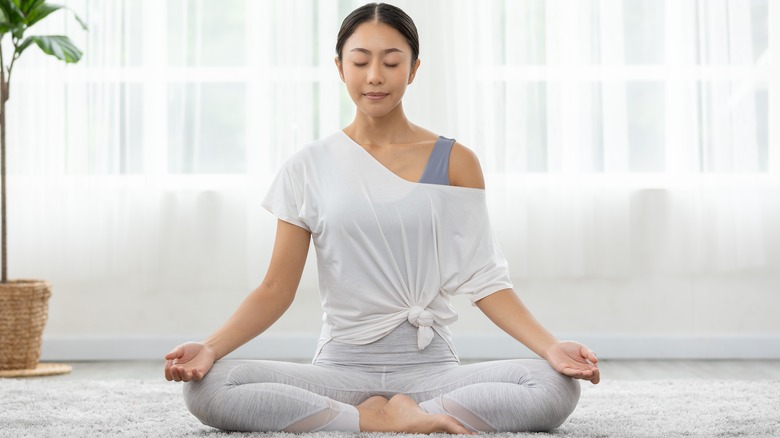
(413, 73)
(340, 69)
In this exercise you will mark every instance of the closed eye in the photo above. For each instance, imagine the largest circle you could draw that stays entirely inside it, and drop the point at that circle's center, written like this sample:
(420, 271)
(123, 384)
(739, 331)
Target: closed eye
(365, 64)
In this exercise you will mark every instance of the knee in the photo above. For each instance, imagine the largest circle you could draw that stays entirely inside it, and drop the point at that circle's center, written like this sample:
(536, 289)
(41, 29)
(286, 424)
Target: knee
(559, 395)
(200, 399)
(208, 400)
(533, 397)
(569, 395)
(236, 396)
(546, 400)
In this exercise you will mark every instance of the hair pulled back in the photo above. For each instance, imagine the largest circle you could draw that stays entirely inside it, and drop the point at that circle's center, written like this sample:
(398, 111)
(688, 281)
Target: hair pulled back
(383, 13)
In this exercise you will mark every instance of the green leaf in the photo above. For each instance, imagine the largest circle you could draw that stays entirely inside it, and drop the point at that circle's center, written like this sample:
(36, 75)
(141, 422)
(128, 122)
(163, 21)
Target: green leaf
(8, 27)
(40, 10)
(39, 13)
(56, 45)
(18, 32)
(81, 22)
(28, 5)
(11, 11)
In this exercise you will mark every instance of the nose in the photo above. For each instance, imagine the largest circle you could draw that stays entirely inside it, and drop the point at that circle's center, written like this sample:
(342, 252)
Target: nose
(374, 76)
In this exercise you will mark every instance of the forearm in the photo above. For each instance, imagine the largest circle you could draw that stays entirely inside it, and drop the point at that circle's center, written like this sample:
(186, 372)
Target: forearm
(509, 313)
(255, 314)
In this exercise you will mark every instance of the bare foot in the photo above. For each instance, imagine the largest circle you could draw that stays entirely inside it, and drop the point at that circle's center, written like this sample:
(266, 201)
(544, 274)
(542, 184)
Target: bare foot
(402, 414)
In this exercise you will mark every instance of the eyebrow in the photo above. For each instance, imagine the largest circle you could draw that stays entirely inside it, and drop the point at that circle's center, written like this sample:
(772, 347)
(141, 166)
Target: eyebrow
(368, 52)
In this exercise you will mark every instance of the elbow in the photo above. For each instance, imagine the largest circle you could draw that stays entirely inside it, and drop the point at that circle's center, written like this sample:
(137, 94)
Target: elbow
(282, 291)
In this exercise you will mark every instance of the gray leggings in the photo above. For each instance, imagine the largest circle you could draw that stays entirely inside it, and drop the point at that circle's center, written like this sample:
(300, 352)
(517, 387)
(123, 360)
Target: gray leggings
(508, 395)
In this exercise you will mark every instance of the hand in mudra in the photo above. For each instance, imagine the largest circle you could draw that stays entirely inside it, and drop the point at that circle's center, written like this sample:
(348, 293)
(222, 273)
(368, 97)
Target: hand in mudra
(189, 361)
(574, 360)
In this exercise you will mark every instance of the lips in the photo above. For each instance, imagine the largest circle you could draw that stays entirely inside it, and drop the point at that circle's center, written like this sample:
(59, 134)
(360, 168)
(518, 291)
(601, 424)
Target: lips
(375, 95)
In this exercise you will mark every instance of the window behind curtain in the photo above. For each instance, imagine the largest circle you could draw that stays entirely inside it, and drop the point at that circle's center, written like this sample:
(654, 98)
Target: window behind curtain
(233, 87)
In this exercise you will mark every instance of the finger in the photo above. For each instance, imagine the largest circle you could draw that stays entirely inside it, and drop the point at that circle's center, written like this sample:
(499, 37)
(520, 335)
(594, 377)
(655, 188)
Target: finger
(596, 377)
(582, 374)
(176, 373)
(592, 376)
(592, 358)
(588, 354)
(576, 366)
(168, 375)
(175, 353)
(578, 373)
(197, 375)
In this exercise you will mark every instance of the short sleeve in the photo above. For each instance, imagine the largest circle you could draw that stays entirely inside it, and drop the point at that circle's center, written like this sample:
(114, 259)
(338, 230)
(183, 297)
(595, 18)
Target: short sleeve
(471, 261)
(489, 273)
(286, 198)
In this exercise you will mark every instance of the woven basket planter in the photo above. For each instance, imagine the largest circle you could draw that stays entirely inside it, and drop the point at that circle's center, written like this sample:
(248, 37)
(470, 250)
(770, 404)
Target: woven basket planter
(24, 307)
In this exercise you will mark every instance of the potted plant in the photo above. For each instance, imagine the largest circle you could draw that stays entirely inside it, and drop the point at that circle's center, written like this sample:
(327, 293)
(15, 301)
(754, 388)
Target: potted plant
(23, 303)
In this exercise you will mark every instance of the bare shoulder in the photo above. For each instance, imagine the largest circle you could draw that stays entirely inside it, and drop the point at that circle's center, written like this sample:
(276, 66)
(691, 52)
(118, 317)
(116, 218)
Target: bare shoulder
(464, 168)
(425, 135)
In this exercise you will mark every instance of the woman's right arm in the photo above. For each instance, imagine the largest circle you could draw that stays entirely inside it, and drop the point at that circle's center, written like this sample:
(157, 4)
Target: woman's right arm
(263, 306)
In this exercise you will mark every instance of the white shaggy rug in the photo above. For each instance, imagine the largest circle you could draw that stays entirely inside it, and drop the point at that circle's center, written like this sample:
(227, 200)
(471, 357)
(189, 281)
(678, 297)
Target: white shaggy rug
(618, 408)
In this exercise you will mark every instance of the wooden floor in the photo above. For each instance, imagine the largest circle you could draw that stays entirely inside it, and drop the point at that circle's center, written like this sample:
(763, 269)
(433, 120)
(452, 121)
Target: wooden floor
(610, 369)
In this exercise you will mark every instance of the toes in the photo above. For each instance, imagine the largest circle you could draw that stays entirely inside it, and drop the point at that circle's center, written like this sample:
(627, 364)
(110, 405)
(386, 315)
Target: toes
(451, 425)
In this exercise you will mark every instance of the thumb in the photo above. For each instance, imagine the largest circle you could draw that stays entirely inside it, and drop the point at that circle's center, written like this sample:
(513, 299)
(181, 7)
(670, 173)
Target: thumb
(588, 354)
(176, 353)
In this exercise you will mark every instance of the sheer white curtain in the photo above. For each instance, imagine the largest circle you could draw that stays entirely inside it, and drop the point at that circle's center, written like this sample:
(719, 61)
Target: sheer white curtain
(622, 137)
(619, 139)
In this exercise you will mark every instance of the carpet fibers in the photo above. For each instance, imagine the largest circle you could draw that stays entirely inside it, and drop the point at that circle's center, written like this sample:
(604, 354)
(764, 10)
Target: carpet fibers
(618, 408)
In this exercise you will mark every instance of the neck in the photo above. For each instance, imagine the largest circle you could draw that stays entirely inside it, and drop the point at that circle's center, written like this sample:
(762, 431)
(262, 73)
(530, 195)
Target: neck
(391, 128)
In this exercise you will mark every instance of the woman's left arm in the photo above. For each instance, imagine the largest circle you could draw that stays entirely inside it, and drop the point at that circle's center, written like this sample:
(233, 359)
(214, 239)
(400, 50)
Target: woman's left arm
(509, 313)
(504, 307)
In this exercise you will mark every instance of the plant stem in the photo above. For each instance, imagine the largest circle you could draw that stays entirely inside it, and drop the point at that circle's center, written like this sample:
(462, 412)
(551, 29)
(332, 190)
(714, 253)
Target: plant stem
(3, 98)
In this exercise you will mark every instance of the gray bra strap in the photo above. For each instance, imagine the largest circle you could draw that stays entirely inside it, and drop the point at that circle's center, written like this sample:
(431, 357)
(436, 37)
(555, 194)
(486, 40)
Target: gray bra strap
(437, 168)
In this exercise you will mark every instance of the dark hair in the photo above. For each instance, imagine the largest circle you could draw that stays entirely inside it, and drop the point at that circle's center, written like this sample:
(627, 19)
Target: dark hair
(383, 13)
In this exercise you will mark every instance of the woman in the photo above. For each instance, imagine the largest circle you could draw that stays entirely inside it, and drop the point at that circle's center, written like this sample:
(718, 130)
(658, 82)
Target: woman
(399, 222)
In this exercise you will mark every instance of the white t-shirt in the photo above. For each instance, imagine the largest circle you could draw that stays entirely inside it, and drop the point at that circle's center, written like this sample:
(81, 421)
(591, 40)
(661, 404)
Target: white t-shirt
(388, 250)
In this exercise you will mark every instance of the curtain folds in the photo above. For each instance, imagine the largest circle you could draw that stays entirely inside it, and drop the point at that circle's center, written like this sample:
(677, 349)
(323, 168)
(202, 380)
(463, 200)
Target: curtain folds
(618, 138)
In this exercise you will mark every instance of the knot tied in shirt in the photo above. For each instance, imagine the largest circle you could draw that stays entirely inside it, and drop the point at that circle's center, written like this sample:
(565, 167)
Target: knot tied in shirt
(423, 320)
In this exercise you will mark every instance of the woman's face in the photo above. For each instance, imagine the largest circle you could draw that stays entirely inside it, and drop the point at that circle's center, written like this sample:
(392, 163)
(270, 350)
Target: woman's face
(376, 67)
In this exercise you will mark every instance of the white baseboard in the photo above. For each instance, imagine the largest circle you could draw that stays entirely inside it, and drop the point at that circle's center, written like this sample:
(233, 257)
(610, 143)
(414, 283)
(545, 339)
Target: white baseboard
(470, 347)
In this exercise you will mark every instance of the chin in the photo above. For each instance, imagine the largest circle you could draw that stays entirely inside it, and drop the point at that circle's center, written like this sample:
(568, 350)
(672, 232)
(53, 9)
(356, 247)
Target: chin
(374, 113)
(376, 110)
